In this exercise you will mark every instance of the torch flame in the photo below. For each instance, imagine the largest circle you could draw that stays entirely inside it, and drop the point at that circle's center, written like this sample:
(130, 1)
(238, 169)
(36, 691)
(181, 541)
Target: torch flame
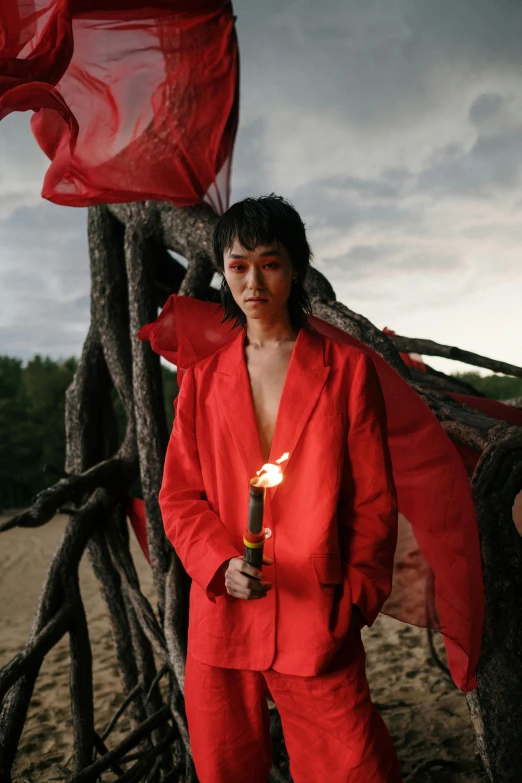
(271, 474)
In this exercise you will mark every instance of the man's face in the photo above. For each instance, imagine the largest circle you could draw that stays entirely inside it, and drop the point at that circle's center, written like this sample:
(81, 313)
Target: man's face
(265, 272)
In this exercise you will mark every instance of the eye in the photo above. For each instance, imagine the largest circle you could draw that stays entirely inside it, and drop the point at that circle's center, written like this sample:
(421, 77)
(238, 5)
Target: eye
(239, 266)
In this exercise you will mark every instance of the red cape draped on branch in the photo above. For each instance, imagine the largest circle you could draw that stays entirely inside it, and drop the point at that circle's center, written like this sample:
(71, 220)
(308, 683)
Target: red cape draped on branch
(132, 100)
(438, 549)
(493, 408)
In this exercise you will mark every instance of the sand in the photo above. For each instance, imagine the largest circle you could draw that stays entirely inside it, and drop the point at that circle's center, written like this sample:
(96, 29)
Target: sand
(427, 716)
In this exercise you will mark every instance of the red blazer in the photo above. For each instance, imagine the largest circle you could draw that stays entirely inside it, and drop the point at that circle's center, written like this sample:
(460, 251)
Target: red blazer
(333, 518)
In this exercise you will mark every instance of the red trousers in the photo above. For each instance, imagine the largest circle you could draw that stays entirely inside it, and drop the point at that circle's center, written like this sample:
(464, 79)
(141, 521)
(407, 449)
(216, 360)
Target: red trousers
(332, 730)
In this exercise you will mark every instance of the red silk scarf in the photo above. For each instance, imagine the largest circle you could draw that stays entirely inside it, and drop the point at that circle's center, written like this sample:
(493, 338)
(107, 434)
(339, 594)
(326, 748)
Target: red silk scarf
(132, 100)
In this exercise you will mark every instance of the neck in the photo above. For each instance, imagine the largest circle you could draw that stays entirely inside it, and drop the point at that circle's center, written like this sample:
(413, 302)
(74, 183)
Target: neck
(266, 334)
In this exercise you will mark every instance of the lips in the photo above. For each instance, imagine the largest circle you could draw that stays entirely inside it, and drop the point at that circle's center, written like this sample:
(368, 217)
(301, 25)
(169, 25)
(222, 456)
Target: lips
(256, 300)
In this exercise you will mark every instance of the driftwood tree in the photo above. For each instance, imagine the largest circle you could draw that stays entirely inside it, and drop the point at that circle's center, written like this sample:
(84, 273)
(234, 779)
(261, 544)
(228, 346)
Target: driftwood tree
(131, 275)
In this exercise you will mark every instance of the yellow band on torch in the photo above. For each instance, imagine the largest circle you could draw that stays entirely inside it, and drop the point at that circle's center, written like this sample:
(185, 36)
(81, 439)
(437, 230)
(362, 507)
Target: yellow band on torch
(251, 545)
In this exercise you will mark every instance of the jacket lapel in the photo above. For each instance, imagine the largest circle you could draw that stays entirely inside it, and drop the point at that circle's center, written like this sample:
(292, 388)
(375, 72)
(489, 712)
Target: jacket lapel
(306, 376)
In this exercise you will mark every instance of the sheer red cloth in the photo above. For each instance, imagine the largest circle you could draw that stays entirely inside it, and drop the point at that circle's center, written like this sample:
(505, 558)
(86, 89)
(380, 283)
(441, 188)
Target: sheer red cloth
(438, 571)
(132, 100)
(492, 408)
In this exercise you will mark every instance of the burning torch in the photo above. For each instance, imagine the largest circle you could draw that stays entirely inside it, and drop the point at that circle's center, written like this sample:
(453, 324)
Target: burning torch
(254, 535)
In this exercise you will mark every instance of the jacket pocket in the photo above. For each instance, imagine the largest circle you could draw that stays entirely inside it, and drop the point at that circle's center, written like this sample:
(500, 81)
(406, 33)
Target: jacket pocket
(327, 568)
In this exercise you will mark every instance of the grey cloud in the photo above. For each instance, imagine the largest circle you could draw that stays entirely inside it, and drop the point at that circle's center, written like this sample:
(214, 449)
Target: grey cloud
(22, 164)
(487, 106)
(392, 185)
(44, 326)
(370, 253)
(360, 263)
(493, 162)
(45, 226)
(478, 33)
(337, 203)
(44, 281)
(12, 200)
(249, 165)
(426, 261)
(383, 65)
(372, 262)
(504, 231)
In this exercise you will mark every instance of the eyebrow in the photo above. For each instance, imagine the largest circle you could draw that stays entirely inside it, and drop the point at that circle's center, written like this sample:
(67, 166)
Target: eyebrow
(273, 252)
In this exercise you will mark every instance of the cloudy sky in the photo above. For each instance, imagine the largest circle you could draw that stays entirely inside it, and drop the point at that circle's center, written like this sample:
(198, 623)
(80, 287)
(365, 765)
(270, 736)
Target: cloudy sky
(395, 128)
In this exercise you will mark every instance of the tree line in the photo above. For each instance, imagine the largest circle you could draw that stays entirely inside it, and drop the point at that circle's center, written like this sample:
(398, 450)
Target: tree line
(32, 418)
(32, 422)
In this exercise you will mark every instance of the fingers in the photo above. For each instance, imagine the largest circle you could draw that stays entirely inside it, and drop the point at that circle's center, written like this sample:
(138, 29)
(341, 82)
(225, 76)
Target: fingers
(247, 595)
(249, 570)
(244, 581)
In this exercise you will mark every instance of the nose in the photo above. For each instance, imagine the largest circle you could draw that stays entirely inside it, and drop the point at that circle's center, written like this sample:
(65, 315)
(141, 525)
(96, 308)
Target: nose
(254, 280)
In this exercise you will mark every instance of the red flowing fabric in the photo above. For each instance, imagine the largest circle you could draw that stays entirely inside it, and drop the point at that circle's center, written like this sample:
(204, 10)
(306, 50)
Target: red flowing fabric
(132, 100)
(136, 514)
(438, 553)
(492, 408)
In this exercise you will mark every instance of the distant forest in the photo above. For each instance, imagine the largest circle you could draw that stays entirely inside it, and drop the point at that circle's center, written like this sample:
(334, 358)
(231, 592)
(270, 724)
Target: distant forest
(32, 413)
(32, 423)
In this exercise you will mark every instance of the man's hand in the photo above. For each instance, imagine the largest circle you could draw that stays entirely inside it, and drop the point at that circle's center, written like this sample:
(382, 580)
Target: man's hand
(242, 580)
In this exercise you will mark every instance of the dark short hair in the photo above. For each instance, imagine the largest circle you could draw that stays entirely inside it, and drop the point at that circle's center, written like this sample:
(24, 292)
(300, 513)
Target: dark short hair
(260, 221)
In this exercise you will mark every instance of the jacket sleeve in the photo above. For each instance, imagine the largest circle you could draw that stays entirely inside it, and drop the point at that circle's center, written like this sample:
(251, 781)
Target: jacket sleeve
(368, 514)
(193, 528)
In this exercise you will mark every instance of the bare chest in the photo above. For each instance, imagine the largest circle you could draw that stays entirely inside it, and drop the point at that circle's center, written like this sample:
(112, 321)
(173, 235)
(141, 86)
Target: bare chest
(267, 373)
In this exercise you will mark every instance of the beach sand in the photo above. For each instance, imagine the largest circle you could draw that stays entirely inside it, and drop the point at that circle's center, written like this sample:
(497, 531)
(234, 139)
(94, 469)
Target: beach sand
(427, 716)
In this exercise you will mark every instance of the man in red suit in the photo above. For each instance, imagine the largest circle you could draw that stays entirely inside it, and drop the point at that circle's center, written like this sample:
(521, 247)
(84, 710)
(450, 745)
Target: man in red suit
(331, 524)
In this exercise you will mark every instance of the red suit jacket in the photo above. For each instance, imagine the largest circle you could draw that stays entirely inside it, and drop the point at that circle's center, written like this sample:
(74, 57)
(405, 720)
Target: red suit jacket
(333, 518)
